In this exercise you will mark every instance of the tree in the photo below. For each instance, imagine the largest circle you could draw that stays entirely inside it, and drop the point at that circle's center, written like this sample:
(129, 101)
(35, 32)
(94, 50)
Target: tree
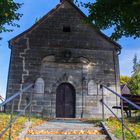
(8, 13)
(122, 15)
(124, 80)
(136, 65)
(134, 84)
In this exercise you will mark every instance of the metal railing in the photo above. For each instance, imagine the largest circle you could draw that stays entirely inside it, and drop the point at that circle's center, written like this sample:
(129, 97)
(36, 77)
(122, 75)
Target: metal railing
(22, 112)
(121, 120)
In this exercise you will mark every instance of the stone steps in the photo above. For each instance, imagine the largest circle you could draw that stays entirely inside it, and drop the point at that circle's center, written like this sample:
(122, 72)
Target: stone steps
(66, 137)
(66, 126)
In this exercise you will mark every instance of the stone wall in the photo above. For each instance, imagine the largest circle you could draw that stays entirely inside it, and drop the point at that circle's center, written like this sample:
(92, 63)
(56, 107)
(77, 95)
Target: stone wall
(75, 57)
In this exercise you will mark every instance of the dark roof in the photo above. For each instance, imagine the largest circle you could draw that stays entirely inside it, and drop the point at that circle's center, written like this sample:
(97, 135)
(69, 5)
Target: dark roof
(51, 12)
(122, 86)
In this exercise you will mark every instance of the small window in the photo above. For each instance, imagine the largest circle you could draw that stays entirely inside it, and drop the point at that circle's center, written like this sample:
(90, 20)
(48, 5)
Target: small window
(66, 29)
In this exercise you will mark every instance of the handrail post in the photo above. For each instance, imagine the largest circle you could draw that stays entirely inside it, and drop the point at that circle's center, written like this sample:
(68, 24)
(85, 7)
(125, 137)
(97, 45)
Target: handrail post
(102, 101)
(11, 118)
(122, 119)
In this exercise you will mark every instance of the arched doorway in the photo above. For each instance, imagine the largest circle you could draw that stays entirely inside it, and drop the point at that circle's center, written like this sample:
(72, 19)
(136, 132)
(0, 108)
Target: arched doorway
(65, 101)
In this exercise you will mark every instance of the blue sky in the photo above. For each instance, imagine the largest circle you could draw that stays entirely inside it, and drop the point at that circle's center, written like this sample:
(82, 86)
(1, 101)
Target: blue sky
(36, 9)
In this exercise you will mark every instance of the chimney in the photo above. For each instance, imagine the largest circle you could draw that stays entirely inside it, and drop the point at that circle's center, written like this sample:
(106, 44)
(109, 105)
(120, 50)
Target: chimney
(67, 0)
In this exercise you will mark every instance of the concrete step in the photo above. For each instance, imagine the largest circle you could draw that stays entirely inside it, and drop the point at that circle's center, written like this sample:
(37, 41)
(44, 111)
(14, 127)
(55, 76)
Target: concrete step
(66, 131)
(58, 127)
(66, 126)
(66, 137)
(43, 128)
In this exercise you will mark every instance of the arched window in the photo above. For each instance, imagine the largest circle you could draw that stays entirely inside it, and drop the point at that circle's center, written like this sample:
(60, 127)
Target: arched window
(92, 88)
(39, 85)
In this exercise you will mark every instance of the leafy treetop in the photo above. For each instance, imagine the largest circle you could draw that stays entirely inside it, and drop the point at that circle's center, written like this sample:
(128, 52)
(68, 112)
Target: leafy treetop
(122, 15)
(8, 13)
(124, 80)
(134, 84)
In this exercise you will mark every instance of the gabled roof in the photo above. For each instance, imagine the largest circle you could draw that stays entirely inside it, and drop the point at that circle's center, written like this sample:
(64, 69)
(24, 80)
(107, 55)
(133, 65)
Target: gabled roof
(50, 13)
(122, 86)
(125, 89)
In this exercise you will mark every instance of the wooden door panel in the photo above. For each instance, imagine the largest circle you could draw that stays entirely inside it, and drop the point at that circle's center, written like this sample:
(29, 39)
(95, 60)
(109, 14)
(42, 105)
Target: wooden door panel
(65, 101)
(60, 104)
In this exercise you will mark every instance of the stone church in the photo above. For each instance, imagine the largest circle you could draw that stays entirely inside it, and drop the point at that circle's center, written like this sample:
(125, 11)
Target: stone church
(67, 59)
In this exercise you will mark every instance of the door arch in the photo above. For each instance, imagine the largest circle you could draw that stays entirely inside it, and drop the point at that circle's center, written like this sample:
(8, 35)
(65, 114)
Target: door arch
(65, 101)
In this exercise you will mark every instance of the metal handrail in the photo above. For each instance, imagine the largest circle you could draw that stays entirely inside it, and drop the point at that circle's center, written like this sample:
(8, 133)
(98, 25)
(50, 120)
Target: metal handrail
(120, 120)
(21, 112)
(15, 95)
(14, 120)
(123, 98)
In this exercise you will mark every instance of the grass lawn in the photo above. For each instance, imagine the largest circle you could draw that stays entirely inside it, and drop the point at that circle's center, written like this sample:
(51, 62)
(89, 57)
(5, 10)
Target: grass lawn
(116, 128)
(18, 125)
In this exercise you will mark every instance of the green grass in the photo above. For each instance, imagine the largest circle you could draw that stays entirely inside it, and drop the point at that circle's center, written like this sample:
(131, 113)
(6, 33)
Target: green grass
(96, 122)
(116, 127)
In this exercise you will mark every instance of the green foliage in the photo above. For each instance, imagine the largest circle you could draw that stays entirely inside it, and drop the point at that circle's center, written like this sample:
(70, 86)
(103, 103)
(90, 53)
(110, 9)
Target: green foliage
(8, 14)
(122, 15)
(136, 65)
(124, 80)
(134, 84)
(134, 62)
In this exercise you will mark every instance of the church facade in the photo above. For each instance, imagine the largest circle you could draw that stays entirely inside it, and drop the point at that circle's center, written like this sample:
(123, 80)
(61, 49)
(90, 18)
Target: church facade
(67, 59)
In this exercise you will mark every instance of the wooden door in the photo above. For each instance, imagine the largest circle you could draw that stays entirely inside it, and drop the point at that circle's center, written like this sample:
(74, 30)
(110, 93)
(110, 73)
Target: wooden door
(65, 101)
